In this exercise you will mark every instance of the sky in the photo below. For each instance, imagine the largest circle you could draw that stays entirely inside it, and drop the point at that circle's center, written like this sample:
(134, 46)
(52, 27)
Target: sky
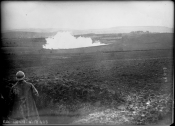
(85, 15)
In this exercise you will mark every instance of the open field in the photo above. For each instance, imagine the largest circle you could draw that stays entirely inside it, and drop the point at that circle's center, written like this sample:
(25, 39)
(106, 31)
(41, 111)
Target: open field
(127, 81)
(72, 86)
(104, 63)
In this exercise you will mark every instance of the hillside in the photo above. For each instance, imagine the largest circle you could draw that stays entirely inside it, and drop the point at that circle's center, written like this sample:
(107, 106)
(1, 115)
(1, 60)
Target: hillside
(37, 33)
(126, 29)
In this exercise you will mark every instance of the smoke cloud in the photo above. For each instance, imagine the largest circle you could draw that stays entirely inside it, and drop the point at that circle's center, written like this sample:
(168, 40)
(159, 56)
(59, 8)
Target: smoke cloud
(64, 40)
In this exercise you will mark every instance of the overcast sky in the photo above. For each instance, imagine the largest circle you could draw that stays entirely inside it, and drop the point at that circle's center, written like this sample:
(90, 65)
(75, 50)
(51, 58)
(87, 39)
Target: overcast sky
(85, 15)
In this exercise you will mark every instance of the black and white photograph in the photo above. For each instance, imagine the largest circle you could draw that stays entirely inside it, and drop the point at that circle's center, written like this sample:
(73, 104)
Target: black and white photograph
(87, 62)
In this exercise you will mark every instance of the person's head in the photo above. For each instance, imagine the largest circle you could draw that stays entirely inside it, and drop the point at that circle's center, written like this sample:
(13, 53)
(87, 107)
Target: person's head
(20, 75)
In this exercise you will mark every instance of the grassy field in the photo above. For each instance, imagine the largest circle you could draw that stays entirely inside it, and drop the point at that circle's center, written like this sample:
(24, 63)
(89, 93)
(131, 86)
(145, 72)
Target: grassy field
(83, 88)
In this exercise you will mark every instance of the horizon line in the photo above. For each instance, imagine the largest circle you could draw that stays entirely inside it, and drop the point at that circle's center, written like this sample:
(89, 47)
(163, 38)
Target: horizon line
(79, 29)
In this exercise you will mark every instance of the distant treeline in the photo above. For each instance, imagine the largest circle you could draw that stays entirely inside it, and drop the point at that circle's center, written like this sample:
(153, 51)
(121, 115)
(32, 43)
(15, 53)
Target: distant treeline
(138, 32)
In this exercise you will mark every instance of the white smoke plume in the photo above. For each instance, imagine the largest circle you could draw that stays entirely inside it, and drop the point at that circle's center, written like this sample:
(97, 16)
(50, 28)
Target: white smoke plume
(64, 40)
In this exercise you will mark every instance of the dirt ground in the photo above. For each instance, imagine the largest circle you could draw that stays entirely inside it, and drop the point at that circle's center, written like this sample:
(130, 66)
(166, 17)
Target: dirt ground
(121, 72)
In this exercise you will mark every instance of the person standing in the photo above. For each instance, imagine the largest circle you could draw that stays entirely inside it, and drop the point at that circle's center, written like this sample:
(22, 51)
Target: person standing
(24, 107)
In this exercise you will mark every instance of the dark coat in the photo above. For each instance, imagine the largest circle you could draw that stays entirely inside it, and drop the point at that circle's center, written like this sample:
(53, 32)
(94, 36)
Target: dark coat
(24, 106)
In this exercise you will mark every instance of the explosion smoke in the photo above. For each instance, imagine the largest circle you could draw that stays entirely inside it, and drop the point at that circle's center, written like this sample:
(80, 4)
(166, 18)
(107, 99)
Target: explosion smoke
(64, 40)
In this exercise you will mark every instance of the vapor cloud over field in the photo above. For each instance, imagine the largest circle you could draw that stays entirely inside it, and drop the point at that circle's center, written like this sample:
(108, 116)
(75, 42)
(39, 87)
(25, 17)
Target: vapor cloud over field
(64, 40)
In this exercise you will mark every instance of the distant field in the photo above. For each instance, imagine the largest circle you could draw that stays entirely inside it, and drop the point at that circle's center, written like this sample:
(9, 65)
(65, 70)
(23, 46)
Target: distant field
(114, 42)
(97, 67)
(70, 82)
